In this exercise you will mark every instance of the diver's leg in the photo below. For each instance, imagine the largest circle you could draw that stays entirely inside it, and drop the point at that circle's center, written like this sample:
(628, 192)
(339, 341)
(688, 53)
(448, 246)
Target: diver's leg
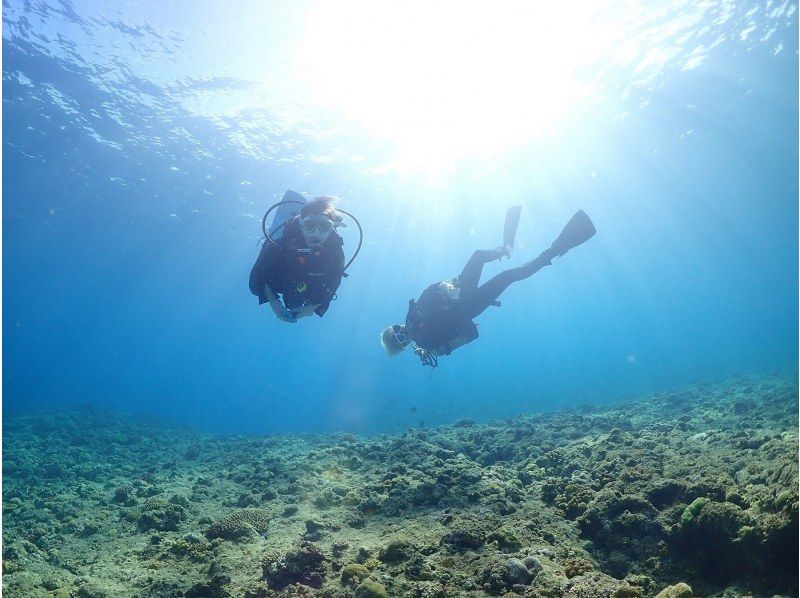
(486, 294)
(471, 274)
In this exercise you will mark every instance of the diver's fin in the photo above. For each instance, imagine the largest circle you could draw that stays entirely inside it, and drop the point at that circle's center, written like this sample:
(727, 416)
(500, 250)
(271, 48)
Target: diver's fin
(510, 228)
(578, 230)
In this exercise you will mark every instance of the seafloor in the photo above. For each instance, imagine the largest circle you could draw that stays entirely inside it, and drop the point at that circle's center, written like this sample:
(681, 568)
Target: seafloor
(697, 487)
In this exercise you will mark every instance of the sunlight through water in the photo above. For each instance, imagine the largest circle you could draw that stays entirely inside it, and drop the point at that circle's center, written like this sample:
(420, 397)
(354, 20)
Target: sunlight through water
(375, 87)
(445, 80)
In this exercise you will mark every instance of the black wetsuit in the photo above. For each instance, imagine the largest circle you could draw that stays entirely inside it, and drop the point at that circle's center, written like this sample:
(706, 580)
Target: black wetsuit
(440, 322)
(299, 278)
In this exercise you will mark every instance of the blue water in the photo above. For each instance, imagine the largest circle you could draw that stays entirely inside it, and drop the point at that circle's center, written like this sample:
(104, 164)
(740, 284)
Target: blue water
(142, 143)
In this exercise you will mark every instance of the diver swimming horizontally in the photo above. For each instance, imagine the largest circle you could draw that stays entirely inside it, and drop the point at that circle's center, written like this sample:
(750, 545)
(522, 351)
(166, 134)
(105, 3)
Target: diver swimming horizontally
(440, 321)
(301, 262)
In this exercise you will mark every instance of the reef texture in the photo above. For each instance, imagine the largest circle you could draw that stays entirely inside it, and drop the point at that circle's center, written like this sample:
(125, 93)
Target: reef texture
(678, 494)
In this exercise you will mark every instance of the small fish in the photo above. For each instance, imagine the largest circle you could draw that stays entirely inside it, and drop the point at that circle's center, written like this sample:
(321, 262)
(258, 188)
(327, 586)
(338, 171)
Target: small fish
(422, 423)
(413, 410)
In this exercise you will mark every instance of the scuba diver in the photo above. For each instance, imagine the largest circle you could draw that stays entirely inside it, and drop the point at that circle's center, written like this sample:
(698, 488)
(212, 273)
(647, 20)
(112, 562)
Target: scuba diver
(440, 321)
(301, 262)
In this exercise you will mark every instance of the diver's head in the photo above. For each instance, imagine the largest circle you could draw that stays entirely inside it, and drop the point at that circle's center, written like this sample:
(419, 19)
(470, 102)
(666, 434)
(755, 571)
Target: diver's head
(394, 339)
(316, 228)
(318, 218)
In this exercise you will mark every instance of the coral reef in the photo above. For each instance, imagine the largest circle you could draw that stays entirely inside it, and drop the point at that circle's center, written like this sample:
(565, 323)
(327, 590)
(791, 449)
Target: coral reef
(302, 565)
(681, 493)
(680, 590)
(371, 589)
(354, 573)
(240, 525)
(158, 514)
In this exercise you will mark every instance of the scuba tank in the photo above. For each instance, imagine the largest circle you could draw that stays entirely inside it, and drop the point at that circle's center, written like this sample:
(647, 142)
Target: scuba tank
(287, 208)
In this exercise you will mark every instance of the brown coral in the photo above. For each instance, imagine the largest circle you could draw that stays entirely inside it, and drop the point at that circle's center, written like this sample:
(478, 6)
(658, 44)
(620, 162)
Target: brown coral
(576, 567)
(239, 525)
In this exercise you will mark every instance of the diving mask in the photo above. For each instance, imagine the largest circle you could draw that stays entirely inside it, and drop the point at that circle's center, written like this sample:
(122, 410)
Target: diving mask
(316, 228)
(321, 224)
(400, 334)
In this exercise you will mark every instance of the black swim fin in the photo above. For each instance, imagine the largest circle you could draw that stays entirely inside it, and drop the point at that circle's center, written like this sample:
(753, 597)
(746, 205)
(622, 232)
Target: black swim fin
(510, 228)
(578, 230)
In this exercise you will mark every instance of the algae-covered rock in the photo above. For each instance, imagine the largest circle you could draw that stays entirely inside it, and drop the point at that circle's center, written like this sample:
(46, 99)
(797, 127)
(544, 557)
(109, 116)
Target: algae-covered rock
(547, 584)
(463, 537)
(371, 589)
(586, 586)
(303, 565)
(506, 539)
(327, 498)
(191, 546)
(426, 589)
(518, 573)
(419, 569)
(495, 579)
(627, 591)
(125, 495)
(722, 519)
(354, 573)
(214, 588)
(91, 589)
(662, 493)
(621, 486)
(315, 529)
(158, 514)
(338, 547)
(623, 528)
(680, 590)
(396, 551)
(711, 536)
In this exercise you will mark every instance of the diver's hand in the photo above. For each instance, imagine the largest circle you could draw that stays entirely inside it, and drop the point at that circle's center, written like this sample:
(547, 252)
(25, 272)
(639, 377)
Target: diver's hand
(306, 310)
(503, 251)
(281, 312)
(429, 358)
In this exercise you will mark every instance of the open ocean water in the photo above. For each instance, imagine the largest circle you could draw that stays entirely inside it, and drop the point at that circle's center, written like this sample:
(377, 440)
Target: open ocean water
(151, 406)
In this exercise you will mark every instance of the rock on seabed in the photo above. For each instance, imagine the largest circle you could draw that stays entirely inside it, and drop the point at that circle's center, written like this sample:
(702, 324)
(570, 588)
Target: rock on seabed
(682, 493)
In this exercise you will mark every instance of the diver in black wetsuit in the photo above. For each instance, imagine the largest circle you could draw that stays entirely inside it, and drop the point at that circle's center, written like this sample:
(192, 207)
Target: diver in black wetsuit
(441, 320)
(299, 274)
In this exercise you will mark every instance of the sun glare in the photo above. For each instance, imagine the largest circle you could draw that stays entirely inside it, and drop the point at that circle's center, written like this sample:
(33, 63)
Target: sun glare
(445, 80)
